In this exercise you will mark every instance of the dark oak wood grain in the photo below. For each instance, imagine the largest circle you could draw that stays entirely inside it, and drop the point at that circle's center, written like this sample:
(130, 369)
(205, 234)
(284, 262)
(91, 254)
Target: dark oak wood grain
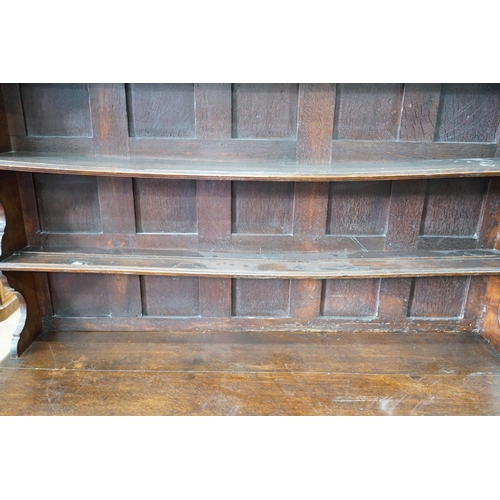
(265, 110)
(292, 265)
(75, 373)
(175, 169)
(194, 207)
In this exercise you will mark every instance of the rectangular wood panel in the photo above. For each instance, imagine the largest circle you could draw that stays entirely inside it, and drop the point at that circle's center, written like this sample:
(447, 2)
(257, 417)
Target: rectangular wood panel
(262, 208)
(68, 203)
(368, 111)
(352, 298)
(358, 208)
(261, 297)
(94, 295)
(441, 297)
(165, 206)
(170, 296)
(161, 109)
(453, 207)
(265, 110)
(469, 112)
(56, 109)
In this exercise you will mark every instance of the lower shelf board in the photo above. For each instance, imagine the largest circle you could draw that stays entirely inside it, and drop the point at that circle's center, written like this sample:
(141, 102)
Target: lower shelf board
(265, 266)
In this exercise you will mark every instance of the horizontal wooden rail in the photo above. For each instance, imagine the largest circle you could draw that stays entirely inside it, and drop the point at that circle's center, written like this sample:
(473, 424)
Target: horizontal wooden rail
(229, 265)
(245, 170)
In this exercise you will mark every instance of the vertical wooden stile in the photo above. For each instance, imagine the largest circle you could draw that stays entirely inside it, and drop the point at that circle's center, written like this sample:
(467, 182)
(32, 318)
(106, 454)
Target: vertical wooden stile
(314, 139)
(213, 121)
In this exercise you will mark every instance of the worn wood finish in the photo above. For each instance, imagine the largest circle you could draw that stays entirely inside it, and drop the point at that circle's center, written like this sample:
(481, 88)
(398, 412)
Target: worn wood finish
(368, 111)
(469, 112)
(489, 320)
(75, 373)
(293, 265)
(165, 206)
(230, 170)
(161, 110)
(304, 184)
(13, 236)
(56, 109)
(264, 110)
(314, 133)
(253, 323)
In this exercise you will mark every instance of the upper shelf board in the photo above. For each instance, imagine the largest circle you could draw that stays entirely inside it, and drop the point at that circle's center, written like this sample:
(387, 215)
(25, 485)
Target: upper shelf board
(248, 171)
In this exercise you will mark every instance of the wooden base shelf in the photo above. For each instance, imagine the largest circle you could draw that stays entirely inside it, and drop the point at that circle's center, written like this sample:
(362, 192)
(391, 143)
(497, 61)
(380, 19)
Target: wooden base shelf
(245, 170)
(277, 266)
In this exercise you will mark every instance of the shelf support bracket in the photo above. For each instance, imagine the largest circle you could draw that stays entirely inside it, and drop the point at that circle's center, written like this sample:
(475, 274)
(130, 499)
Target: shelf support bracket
(17, 290)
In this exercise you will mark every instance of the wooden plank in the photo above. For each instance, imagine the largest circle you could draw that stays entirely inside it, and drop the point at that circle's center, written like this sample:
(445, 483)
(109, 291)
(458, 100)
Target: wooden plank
(407, 198)
(469, 112)
(261, 298)
(110, 128)
(358, 208)
(453, 207)
(292, 265)
(442, 297)
(373, 326)
(264, 110)
(54, 145)
(116, 197)
(175, 169)
(161, 109)
(314, 134)
(215, 297)
(361, 151)
(95, 295)
(5, 144)
(262, 208)
(213, 110)
(170, 296)
(181, 241)
(29, 207)
(453, 210)
(68, 203)
(247, 150)
(419, 111)
(368, 111)
(403, 228)
(315, 123)
(53, 392)
(14, 111)
(56, 109)
(165, 206)
(116, 204)
(270, 243)
(350, 298)
(433, 353)
(430, 242)
(214, 121)
(214, 214)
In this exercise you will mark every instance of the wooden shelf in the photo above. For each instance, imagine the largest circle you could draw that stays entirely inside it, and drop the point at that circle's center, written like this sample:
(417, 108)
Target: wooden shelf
(229, 265)
(244, 170)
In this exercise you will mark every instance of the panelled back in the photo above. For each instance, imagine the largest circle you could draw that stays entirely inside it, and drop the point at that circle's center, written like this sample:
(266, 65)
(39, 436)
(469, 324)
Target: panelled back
(286, 123)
